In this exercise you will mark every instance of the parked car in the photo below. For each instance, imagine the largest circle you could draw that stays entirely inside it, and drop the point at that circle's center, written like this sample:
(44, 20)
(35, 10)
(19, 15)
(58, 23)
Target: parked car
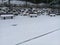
(15, 13)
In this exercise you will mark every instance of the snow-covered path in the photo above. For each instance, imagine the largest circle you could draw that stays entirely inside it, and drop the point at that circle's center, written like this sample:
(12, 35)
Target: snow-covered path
(13, 31)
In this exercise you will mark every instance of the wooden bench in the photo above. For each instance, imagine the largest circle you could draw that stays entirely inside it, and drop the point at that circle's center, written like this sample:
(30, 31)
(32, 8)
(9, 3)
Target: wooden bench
(5, 16)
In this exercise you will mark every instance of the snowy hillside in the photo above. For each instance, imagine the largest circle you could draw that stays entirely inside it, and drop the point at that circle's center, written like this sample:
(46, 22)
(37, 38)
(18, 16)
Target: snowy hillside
(18, 2)
(0, 1)
(13, 31)
(21, 2)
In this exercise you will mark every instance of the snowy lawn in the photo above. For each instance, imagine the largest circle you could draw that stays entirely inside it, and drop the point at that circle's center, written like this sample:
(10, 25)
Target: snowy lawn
(13, 31)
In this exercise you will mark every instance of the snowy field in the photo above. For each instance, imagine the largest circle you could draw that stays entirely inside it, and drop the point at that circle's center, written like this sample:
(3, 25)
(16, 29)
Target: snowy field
(13, 31)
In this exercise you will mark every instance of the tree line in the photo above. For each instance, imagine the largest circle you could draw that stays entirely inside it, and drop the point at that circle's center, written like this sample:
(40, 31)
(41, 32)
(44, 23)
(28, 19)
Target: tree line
(41, 1)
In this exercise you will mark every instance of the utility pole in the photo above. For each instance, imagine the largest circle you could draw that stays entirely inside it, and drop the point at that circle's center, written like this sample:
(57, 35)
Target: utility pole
(35, 1)
(2, 2)
(26, 3)
(9, 4)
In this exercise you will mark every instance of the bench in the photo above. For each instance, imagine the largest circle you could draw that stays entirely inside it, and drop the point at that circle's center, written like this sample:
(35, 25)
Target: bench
(33, 15)
(52, 15)
(4, 16)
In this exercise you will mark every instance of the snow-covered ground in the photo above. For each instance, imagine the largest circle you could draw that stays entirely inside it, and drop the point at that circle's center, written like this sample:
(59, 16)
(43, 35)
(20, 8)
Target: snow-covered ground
(13, 31)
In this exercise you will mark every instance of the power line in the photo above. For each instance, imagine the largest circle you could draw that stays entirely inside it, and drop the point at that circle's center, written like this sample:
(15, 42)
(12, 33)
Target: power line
(37, 36)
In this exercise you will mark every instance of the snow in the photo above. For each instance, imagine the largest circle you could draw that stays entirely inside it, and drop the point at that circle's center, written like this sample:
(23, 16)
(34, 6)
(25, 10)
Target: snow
(18, 2)
(21, 28)
(0, 1)
(21, 2)
(3, 1)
